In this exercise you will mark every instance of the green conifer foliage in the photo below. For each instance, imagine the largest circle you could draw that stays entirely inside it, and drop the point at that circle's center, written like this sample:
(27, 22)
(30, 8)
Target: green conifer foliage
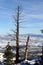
(8, 55)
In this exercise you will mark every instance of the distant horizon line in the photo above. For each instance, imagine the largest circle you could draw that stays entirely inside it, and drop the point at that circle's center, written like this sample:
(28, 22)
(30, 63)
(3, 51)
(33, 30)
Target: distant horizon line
(23, 34)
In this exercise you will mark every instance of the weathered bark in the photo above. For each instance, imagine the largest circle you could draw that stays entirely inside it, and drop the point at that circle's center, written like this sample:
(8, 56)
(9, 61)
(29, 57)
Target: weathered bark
(26, 50)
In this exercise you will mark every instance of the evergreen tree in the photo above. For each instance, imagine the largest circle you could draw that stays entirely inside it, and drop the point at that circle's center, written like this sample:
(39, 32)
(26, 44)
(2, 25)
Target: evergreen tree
(8, 55)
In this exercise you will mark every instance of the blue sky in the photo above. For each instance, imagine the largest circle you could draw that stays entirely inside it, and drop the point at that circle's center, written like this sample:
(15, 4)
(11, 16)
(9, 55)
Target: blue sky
(32, 16)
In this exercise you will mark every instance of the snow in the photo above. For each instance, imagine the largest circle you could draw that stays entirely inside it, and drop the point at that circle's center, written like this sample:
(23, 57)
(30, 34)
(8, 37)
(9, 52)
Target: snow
(31, 62)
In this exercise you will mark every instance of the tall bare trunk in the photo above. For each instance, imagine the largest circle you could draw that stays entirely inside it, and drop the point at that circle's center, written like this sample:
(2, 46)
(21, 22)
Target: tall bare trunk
(17, 36)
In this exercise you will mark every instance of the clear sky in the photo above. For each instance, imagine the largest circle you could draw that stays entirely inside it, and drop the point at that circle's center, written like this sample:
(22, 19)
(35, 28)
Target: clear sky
(32, 16)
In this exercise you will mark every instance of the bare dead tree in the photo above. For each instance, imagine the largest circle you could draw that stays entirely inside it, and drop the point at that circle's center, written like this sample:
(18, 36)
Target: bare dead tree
(26, 50)
(16, 36)
(17, 21)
